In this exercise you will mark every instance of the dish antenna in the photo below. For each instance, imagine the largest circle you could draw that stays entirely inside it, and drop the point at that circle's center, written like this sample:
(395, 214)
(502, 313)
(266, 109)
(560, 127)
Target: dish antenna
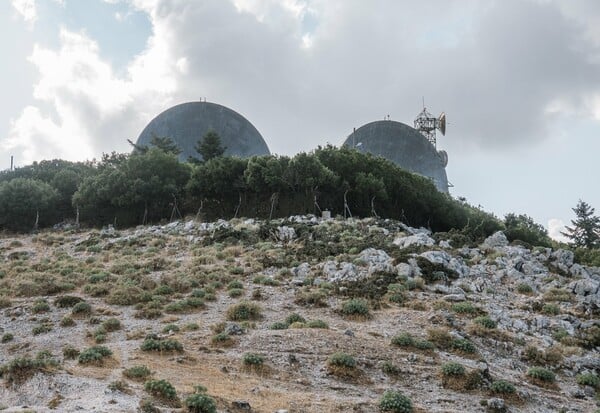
(427, 124)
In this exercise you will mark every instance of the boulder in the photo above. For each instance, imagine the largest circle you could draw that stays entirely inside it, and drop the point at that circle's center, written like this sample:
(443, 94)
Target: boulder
(562, 259)
(377, 260)
(496, 240)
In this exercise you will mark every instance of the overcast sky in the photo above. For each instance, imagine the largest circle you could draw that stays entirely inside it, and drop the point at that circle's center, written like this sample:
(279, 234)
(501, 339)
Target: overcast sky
(518, 79)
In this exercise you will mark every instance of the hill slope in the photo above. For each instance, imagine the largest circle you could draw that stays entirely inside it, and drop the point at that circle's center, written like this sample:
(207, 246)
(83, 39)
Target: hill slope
(455, 328)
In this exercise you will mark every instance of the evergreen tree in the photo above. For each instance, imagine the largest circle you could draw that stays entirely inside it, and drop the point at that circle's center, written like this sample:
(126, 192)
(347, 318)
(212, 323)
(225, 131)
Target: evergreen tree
(210, 146)
(524, 228)
(164, 143)
(585, 229)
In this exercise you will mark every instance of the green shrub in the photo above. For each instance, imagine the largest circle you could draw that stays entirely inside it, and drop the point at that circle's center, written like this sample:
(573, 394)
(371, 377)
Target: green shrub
(6, 337)
(502, 387)
(151, 344)
(70, 352)
(192, 326)
(390, 369)
(95, 355)
(253, 359)
(355, 308)
(235, 292)
(82, 308)
(396, 402)
(244, 311)
(235, 285)
(464, 345)
(222, 339)
(40, 306)
(161, 389)
(524, 288)
(198, 293)
(67, 301)
(342, 360)
(558, 294)
(317, 324)
(465, 307)
(588, 379)
(485, 322)
(551, 309)
(294, 318)
(111, 324)
(279, 325)
(200, 403)
(541, 374)
(137, 372)
(21, 369)
(41, 329)
(403, 340)
(453, 369)
(170, 328)
(67, 321)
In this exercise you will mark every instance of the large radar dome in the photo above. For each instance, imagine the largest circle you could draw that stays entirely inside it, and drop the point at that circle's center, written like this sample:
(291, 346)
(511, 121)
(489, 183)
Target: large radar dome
(404, 146)
(188, 122)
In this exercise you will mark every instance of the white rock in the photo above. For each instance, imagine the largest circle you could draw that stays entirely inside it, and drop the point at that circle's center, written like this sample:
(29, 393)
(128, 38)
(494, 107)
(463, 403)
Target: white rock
(496, 240)
(563, 259)
(286, 234)
(404, 270)
(444, 244)
(301, 271)
(420, 239)
(455, 297)
(437, 257)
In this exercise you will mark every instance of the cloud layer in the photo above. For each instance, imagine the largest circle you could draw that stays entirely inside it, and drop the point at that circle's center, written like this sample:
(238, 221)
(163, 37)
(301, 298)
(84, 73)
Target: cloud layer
(306, 72)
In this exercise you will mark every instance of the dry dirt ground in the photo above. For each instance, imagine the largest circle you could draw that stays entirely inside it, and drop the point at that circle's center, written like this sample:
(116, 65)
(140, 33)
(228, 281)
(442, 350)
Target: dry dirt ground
(295, 376)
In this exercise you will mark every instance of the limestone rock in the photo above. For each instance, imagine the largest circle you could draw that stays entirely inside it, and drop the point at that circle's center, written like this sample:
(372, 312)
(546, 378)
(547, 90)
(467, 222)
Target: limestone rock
(419, 239)
(496, 240)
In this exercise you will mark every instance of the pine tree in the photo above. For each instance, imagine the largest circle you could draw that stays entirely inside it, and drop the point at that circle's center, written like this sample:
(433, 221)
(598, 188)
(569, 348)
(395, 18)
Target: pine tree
(585, 229)
(164, 143)
(210, 146)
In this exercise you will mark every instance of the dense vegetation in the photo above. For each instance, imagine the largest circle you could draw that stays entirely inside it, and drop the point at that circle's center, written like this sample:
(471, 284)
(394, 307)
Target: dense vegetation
(152, 185)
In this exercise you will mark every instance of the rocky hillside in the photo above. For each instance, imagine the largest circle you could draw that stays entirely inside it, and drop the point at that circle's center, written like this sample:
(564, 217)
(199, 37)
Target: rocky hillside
(295, 315)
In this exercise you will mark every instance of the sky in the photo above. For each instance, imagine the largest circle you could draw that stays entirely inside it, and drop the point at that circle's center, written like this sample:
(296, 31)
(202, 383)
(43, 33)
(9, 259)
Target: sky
(519, 81)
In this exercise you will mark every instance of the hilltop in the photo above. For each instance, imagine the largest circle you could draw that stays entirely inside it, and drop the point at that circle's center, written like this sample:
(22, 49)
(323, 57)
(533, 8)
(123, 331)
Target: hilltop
(294, 315)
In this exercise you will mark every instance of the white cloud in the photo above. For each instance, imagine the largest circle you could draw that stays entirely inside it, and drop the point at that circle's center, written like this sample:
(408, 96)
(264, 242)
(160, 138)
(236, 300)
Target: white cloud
(83, 108)
(27, 9)
(555, 228)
